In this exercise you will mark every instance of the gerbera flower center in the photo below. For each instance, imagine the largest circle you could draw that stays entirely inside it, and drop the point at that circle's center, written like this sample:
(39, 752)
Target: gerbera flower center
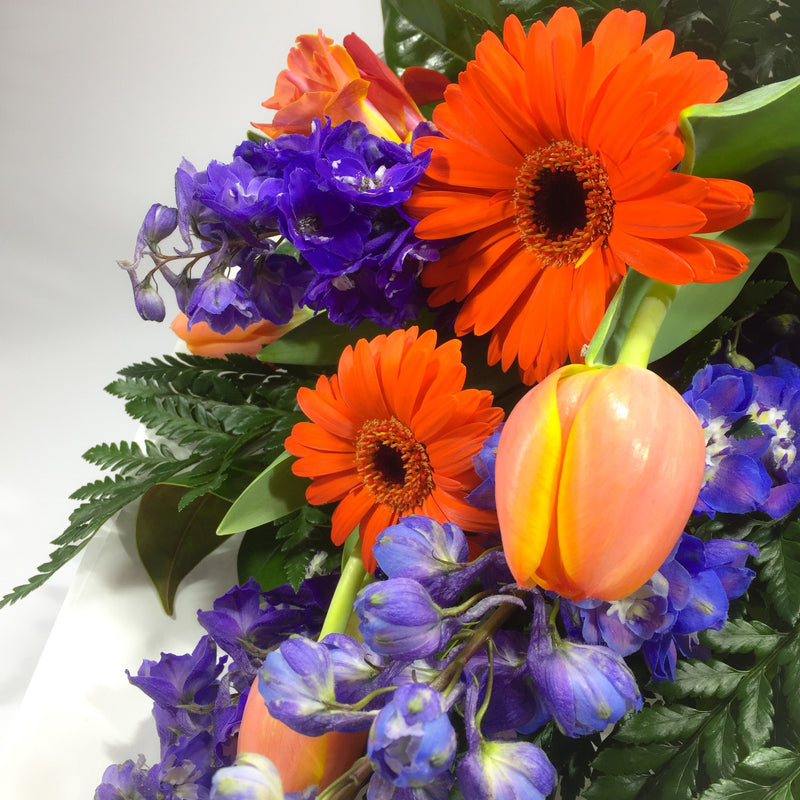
(393, 465)
(563, 203)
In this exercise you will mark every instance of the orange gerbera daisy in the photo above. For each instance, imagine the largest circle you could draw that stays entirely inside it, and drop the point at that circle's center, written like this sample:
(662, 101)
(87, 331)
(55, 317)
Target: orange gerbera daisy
(394, 433)
(556, 163)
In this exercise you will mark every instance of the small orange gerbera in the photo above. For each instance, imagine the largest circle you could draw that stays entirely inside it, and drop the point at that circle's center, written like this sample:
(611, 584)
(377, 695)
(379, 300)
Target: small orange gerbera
(556, 163)
(394, 433)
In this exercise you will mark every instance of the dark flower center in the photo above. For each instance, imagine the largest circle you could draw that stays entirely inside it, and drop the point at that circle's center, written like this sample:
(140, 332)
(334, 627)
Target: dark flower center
(563, 203)
(393, 464)
(309, 224)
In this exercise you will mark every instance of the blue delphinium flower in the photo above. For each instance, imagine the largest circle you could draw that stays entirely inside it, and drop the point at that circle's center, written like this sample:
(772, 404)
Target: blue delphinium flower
(747, 470)
(584, 687)
(412, 742)
(501, 769)
(298, 686)
(335, 195)
(435, 555)
(483, 495)
(398, 619)
(735, 480)
(183, 688)
(251, 777)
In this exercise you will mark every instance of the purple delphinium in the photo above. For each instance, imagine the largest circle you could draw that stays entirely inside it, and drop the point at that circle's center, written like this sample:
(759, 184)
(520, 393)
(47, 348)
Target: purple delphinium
(198, 703)
(336, 195)
(748, 468)
(500, 769)
(483, 495)
(412, 742)
(298, 684)
(584, 687)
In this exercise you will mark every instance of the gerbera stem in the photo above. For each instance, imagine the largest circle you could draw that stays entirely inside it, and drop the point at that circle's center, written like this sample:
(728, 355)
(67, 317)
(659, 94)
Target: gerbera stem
(341, 607)
(647, 319)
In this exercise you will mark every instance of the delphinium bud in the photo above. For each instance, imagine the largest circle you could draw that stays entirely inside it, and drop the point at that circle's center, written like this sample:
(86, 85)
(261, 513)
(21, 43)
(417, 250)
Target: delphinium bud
(251, 777)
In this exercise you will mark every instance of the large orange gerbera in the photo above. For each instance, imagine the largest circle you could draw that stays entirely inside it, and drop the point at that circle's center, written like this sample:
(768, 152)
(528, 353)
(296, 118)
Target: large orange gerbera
(394, 433)
(556, 163)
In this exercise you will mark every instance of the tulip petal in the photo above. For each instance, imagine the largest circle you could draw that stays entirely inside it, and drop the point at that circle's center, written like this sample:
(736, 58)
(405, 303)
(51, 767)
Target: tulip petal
(528, 467)
(628, 485)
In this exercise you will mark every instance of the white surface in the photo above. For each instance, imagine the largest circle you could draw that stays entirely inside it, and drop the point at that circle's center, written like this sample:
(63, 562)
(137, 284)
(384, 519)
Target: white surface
(100, 101)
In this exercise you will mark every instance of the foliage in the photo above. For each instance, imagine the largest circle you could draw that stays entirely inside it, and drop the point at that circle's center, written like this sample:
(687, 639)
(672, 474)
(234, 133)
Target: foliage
(755, 40)
(212, 426)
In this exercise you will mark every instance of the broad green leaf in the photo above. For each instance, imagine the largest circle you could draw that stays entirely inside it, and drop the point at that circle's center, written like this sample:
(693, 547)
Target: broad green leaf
(676, 779)
(697, 304)
(421, 33)
(751, 136)
(171, 543)
(272, 495)
(766, 774)
(317, 342)
(260, 557)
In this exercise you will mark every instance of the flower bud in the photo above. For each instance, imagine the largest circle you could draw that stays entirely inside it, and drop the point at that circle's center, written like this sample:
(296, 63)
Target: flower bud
(398, 618)
(251, 777)
(598, 469)
(302, 761)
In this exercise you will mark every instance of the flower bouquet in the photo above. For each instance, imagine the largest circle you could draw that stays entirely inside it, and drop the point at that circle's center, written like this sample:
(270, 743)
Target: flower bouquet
(491, 356)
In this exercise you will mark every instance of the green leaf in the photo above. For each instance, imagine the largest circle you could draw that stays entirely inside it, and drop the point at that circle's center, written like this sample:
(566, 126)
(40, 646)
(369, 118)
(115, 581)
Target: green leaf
(719, 746)
(744, 428)
(273, 494)
(698, 304)
(661, 724)
(171, 543)
(703, 679)
(424, 34)
(744, 636)
(260, 557)
(755, 711)
(316, 342)
(727, 140)
(620, 787)
(634, 760)
(779, 567)
(766, 774)
(676, 779)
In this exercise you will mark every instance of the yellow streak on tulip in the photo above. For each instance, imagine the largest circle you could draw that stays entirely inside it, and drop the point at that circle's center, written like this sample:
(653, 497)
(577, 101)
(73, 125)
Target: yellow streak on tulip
(530, 479)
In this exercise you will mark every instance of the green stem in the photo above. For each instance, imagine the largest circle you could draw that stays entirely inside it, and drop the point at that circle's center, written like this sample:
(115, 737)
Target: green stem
(647, 319)
(341, 607)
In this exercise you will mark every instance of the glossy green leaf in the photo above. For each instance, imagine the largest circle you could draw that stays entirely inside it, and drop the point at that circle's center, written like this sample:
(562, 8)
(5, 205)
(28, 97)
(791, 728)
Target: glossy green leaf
(756, 711)
(260, 557)
(171, 543)
(752, 136)
(661, 724)
(438, 35)
(273, 494)
(317, 342)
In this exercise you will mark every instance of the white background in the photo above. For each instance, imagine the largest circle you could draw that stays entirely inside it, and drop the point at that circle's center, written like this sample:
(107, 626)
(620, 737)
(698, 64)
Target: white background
(100, 101)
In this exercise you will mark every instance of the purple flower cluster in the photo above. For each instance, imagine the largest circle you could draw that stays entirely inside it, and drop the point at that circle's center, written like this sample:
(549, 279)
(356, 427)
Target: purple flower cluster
(198, 698)
(751, 422)
(335, 196)
(690, 593)
(407, 683)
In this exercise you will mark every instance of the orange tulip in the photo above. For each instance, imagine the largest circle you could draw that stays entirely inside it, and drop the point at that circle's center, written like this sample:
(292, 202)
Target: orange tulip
(302, 761)
(597, 471)
(202, 341)
(346, 83)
